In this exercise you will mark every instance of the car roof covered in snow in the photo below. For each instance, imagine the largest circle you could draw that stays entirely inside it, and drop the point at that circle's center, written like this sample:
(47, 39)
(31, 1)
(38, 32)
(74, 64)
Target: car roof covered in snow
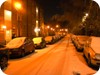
(16, 42)
(37, 40)
(95, 44)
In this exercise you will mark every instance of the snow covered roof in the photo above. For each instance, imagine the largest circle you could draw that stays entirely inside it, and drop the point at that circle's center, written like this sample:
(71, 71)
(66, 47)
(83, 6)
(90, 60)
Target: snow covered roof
(95, 44)
(37, 40)
(48, 38)
(16, 42)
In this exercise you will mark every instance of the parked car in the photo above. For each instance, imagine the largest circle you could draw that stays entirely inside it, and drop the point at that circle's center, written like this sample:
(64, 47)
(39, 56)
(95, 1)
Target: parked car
(74, 39)
(81, 40)
(20, 46)
(92, 51)
(39, 42)
(4, 56)
(50, 39)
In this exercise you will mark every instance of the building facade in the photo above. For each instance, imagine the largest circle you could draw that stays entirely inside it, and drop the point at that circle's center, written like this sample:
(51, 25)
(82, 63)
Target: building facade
(16, 22)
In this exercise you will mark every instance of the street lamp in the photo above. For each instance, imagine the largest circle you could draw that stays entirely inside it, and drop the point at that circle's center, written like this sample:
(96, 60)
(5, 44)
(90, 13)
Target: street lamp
(57, 26)
(18, 6)
(37, 30)
(48, 27)
(86, 14)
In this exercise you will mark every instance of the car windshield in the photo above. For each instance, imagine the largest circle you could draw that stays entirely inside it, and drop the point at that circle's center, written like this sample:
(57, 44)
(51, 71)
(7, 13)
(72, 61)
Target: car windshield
(16, 42)
(37, 40)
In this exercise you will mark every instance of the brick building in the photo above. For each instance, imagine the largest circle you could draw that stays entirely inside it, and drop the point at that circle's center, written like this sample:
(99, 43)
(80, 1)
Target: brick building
(20, 22)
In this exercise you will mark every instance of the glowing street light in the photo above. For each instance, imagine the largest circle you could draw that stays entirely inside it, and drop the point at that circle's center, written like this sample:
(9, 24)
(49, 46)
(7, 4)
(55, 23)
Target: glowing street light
(3, 27)
(66, 30)
(17, 5)
(84, 18)
(48, 27)
(51, 28)
(36, 31)
(86, 14)
(57, 26)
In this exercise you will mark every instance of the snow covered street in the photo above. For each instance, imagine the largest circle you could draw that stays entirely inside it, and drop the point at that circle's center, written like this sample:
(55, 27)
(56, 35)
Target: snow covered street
(57, 59)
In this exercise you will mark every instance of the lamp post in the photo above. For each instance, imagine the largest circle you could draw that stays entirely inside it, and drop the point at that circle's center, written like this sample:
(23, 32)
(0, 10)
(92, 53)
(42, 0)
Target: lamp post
(18, 6)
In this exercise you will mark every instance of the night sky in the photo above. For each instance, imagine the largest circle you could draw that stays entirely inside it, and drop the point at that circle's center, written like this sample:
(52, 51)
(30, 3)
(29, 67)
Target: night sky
(50, 7)
(53, 7)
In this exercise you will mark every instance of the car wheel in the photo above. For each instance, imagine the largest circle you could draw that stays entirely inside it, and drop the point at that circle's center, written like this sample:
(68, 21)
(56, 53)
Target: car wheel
(4, 62)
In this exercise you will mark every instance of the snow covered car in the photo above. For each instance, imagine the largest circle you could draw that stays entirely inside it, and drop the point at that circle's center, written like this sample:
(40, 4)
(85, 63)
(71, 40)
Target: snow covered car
(39, 42)
(74, 39)
(81, 40)
(4, 56)
(50, 39)
(92, 51)
(20, 46)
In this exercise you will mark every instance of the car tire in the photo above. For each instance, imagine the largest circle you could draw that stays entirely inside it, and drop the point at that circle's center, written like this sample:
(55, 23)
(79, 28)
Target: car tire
(3, 62)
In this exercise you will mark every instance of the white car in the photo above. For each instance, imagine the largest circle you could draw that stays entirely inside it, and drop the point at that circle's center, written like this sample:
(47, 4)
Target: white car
(92, 51)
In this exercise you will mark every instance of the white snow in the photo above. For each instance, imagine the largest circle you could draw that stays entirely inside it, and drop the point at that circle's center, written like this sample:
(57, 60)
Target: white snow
(16, 42)
(48, 38)
(2, 73)
(37, 40)
(95, 44)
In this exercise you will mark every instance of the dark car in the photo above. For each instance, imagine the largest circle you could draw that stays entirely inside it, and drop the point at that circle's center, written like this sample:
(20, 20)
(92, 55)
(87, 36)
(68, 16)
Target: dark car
(20, 46)
(4, 55)
(39, 42)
